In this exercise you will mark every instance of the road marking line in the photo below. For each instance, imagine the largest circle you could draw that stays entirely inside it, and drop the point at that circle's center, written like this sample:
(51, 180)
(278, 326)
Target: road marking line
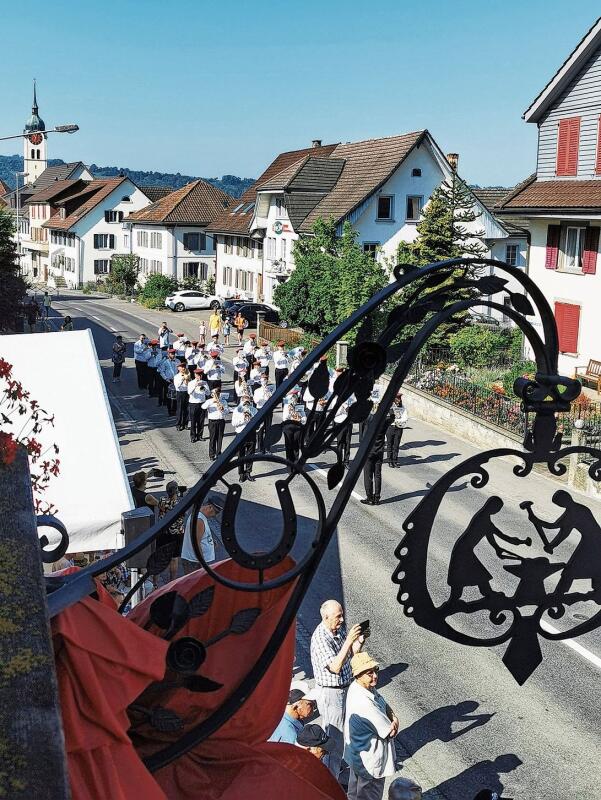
(577, 648)
(324, 474)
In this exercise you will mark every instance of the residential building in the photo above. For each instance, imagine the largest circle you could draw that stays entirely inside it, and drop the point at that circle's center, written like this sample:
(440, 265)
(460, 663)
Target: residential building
(560, 204)
(85, 229)
(380, 186)
(170, 237)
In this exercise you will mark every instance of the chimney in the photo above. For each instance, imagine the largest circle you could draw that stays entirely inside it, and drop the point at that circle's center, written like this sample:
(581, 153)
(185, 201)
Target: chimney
(316, 143)
(453, 159)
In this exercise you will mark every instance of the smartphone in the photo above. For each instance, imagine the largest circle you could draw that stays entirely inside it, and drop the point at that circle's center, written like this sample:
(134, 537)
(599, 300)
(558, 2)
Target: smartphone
(364, 626)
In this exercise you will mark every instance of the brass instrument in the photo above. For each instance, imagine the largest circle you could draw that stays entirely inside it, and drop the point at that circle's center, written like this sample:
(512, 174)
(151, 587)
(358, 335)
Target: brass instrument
(294, 416)
(215, 395)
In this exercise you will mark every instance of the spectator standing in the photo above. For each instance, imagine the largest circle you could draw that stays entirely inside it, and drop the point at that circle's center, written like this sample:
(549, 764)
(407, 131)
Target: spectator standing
(370, 726)
(118, 357)
(394, 433)
(141, 496)
(202, 334)
(240, 323)
(215, 323)
(301, 706)
(204, 538)
(314, 739)
(47, 304)
(174, 535)
(141, 357)
(67, 324)
(165, 336)
(227, 329)
(405, 789)
(331, 651)
(32, 312)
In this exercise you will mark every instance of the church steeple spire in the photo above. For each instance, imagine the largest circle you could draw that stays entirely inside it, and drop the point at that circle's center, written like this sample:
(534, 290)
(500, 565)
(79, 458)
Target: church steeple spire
(34, 108)
(34, 123)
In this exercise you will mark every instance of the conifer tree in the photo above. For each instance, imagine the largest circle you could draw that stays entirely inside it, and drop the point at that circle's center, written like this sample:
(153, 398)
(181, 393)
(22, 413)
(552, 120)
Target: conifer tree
(12, 286)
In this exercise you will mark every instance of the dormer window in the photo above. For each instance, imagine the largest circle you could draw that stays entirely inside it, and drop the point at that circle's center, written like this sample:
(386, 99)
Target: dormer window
(280, 206)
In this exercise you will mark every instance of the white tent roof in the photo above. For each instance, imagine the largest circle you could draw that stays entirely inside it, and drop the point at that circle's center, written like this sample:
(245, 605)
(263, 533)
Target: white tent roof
(62, 373)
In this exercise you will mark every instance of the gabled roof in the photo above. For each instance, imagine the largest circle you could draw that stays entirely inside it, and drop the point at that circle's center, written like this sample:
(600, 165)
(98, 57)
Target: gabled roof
(154, 193)
(568, 71)
(90, 196)
(197, 203)
(59, 172)
(54, 190)
(4, 189)
(491, 198)
(232, 221)
(367, 166)
(533, 196)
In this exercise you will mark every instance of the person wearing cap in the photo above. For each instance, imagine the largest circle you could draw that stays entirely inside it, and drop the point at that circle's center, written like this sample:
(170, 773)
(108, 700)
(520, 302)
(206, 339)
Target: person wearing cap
(165, 334)
(214, 369)
(180, 345)
(301, 705)
(239, 362)
(241, 387)
(331, 651)
(191, 355)
(215, 322)
(316, 405)
(118, 358)
(314, 739)
(281, 363)
(141, 356)
(250, 345)
(293, 419)
(168, 369)
(264, 357)
(174, 535)
(241, 416)
(343, 439)
(217, 412)
(156, 356)
(204, 538)
(261, 395)
(181, 381)
(394, 432)
(214, 344)
(198, 391)
(297, 355)
(405, 789)
(370, 726)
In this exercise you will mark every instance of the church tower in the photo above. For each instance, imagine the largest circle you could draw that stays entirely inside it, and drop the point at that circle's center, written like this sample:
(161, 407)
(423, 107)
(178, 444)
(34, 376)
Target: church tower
(35, 157)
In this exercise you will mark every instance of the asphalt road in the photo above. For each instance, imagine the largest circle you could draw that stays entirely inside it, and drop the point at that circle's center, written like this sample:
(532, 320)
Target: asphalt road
(465, 722)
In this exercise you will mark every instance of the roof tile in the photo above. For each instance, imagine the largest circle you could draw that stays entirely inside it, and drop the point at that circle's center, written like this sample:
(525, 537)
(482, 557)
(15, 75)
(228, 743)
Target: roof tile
(197, 203)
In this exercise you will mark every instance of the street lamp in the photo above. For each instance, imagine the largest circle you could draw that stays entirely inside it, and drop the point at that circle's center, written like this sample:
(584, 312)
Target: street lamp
(57, 129)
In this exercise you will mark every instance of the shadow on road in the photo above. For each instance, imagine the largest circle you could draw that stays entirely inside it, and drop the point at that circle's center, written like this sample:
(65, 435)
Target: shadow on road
(483, 775)
(420, 493)
(427, 443)
(409, 460)
(441, 724)
(390, 672)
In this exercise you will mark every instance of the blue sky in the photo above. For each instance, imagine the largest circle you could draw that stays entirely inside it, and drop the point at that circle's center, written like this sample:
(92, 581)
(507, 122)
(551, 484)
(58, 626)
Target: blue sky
(205, 87)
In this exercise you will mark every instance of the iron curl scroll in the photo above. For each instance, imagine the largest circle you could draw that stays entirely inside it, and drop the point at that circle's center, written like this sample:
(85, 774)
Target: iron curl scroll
(427, 300)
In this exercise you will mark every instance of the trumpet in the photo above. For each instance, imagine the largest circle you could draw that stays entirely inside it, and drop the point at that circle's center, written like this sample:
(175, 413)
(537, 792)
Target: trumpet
(294, 415)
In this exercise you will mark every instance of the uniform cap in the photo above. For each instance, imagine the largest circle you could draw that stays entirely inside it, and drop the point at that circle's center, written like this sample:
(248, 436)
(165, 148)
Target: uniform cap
(407, 789)
(198, 371)
(181, 334)
(152, 341)
(252, 335)
(171, 350)
(313, 736)
(361, 662)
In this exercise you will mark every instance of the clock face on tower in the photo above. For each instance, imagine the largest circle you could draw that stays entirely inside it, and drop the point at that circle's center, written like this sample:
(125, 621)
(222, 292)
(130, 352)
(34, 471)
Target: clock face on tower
(35, 138)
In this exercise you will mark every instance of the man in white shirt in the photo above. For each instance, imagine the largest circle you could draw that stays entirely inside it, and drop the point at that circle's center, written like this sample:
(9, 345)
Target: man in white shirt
(180, 381)
(204, 538)
(239, 361)
(167, 370)
(370, 726)
(260, 396)
(214, 370)
(165, 336)
(215, 345)
(180, 345)
(281, 363)
(156, 356)
(198, 391)
(217, 412)
(263, 356)
(293, 419)
(250, 345)
(241, 416)
(191, 355)
(141, 355)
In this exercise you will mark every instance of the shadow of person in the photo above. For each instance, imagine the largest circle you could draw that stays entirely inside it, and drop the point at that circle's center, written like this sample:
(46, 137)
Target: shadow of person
(438, 724)
(390, 672)
(483, 775)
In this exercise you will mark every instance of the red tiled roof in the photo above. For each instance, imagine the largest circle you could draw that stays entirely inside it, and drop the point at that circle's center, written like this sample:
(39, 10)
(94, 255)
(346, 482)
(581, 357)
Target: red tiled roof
(569, 195)
(55, 189)
(4, 188)
(95, 192)
(229, 222)
(197, 203)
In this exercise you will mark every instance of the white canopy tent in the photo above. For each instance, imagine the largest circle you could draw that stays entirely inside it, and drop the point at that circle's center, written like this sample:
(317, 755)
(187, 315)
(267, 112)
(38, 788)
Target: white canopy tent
(91, 492)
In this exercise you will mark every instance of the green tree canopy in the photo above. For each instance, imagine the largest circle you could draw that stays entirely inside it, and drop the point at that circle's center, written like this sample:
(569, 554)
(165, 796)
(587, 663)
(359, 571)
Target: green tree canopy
(12, 286)
(331, 279)
(124, 273)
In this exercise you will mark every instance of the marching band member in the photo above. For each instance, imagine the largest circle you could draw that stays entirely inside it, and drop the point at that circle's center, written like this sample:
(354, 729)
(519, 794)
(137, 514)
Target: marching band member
(214, 344)
(254, 379)
(217, 412)
(141, 356)
(214, 370)
(240, 385)
(167, 370)
(260, 396)
(297, 358)
(179, 345)
(156, 356)
(180, 381)
(201, 358)
(263, 356)
(191, 354)
(394, 432)
(250, 345)
(281, 363)
(293, 418)
(241, 416)
(372, 471)
(165, 335)
(198, 391)
(343, 440)
(315, 403)
(239, 361)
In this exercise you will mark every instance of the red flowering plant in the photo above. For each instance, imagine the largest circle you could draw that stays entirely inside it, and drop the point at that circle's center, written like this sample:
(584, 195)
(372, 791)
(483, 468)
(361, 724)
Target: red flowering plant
(18, 408)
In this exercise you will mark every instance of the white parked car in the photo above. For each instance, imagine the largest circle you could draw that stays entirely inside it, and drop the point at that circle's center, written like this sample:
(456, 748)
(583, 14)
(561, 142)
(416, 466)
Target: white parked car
(192, 298)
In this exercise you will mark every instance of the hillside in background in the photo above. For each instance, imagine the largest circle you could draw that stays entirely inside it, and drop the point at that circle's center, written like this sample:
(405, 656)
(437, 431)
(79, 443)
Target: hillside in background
(228, 183)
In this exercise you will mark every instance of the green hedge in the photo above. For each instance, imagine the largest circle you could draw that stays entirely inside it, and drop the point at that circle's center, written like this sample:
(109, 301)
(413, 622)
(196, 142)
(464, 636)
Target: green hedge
(476, 346)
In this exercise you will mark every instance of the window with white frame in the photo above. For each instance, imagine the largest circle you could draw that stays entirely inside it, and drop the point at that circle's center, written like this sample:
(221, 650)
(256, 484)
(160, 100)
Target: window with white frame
(512, 254)
(228, 247)
(371, 248)
(102, 266)
(385, 206)
(258, 249)
(143, 266)
(142, 238)
(283, 249)
(573, 247)
(196, 269)
(227, 276)
(414, 207)
(156, 240)
(244, 280)
(155, 267)
(126, 241)
(270, 247)
(280, 207)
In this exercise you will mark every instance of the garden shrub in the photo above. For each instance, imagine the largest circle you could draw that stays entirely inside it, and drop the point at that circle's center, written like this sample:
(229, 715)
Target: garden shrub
(517, 371)
(477, 346)
(156, 289)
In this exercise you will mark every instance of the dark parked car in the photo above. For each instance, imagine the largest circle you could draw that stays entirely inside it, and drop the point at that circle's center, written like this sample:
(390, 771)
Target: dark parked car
(249, 312)
(229, 308)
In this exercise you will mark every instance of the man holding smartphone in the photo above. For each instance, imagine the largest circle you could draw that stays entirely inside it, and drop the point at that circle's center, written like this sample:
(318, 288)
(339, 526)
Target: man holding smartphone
(331, 651)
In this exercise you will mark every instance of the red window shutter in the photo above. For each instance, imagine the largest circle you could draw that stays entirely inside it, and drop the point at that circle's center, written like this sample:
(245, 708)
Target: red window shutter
(553, 234)
(567, 317)
(598, 164)
(568, 141)
(591, 248)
